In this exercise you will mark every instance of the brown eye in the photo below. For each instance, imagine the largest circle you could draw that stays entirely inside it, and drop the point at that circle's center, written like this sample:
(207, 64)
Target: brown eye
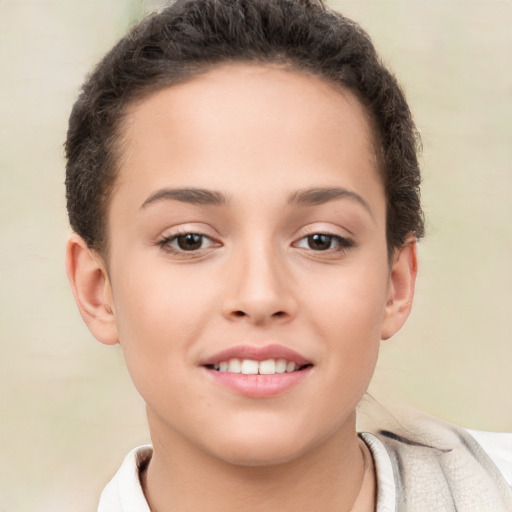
(190, 245)
(324, 242)
(189, 241)
(320, 242)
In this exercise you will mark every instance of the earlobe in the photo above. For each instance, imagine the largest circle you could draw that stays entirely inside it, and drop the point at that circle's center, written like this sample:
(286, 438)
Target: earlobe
(401, 288)
(92, 290)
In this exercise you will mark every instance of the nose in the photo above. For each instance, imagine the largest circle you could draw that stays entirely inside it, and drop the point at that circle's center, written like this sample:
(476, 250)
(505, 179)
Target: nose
(260, 290)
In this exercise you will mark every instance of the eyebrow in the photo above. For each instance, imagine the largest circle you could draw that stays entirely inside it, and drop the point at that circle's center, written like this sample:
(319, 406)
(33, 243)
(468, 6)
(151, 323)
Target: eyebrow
(305, 197)
(317, 196)
(187, 195)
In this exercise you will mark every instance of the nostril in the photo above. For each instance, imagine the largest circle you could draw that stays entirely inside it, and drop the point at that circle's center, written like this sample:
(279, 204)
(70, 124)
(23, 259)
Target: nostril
(257, 316)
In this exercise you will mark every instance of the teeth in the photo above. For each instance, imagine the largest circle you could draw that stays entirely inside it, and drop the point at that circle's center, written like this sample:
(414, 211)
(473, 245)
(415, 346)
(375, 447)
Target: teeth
(252, 367)
(234, 366)
(280, 366)
(249, 367)
(290, 367)
(267, 367)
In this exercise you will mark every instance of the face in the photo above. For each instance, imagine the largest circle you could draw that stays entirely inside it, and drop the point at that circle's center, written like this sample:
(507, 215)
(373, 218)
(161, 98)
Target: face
(247, 234)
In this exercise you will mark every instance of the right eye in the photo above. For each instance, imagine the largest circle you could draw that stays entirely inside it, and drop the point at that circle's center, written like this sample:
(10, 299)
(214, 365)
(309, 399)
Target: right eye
(186, 242)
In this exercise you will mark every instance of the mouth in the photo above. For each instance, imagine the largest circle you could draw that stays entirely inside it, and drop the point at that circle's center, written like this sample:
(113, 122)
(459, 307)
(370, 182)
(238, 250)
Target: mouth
(258, 372)
(254, 367)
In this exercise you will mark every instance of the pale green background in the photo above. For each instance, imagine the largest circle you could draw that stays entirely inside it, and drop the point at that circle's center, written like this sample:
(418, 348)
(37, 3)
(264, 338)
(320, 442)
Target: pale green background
(68, 410)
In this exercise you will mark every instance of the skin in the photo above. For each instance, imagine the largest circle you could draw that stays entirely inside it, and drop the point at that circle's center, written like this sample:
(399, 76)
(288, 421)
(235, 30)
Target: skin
(259, 136)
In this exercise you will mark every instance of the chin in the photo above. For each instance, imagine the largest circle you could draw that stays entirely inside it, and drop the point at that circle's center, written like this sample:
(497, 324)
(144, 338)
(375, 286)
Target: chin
(254, 445)
(250, 454)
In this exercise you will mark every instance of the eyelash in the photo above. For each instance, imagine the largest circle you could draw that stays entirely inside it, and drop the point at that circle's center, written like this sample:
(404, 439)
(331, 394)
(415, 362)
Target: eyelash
(166, 242)
(342, 244)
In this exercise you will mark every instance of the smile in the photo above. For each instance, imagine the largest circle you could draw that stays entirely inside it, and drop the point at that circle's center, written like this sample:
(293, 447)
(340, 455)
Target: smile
(253, 367)
(258, 372)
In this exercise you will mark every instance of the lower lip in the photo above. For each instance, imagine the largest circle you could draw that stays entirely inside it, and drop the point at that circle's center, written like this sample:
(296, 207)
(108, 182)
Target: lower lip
(259, 386)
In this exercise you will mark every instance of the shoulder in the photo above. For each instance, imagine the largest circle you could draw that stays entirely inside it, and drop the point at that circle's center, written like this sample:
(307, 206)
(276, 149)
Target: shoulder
(441, 464)
(498, 446)
(124, 492)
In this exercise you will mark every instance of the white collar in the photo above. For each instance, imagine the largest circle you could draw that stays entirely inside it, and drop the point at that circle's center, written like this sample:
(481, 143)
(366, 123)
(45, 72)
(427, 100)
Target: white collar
(124, 492)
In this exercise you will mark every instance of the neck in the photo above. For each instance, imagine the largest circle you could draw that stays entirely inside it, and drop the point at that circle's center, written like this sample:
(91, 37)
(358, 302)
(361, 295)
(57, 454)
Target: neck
(329, 477)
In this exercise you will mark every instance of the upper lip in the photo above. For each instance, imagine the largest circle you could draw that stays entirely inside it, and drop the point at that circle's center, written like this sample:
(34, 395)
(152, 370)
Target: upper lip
(257, 353)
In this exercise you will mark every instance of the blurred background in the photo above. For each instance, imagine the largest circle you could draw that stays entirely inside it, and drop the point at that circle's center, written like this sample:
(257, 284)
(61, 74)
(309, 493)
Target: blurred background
(69, 412)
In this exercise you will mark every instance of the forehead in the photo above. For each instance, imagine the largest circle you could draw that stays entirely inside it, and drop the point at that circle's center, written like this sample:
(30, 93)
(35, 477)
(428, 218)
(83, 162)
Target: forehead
(249, 124)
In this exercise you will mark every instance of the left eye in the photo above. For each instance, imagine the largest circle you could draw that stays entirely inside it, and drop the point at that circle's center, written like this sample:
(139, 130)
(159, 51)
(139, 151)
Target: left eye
(187, 242)
(323, 242)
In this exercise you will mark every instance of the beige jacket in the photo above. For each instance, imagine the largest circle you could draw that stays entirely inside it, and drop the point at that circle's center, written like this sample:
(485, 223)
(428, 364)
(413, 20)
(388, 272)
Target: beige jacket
(439, 467)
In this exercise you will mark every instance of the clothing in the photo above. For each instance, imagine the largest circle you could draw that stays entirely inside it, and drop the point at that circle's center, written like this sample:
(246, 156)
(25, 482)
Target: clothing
(437, 466)
(423, 465)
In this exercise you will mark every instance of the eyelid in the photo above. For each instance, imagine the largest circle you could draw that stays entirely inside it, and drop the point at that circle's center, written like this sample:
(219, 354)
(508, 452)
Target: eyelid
(172, 234)
(176, 236)
(183, 228)
(343, 242)
(322, 233)
(323, 228)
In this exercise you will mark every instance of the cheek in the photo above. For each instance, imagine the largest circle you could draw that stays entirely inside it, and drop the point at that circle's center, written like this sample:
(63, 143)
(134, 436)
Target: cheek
(159, 314)
(159, 298)
(347, 313)
(349, 300)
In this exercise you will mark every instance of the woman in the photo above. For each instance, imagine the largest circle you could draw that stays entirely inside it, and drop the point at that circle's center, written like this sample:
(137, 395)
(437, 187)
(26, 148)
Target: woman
(243, 185)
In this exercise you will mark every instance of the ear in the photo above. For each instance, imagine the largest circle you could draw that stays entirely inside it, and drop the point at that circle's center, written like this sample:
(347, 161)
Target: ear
(92, 290)
(401, 288)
